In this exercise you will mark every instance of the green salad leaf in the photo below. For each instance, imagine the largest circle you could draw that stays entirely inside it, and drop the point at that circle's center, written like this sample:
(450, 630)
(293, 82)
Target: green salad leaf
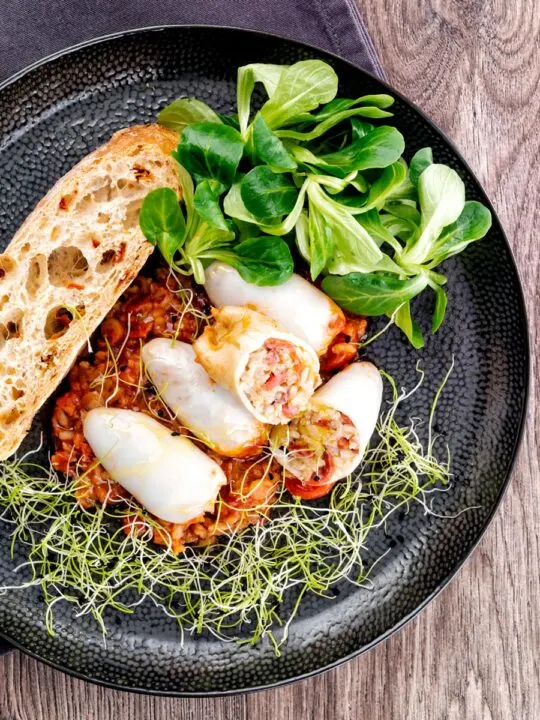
(391, 178)
(248, 75)
(206, 203)
(188, 192)
(374, 293)
(267, 194)
(320, 241)
(419, 163)
(441, 194)
(472, 224)
(441, 302)
(301, 87)
(246, 230)
(206, 244)
(268, 148)
(339, 105)
(231, 120)
(211, 151)
(234, 206)
(301, 230)
(348, 190)
(405, 209)
(404, 320)
(398, 227)
(162, 221)
(378, 149)
(371, 222)
(353, 249)
(186, 111)
(326, 174)
(359, 128)
(325, 125)
(263, 260)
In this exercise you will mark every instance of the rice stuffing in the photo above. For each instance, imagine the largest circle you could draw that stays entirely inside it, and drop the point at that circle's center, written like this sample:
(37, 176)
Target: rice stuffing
(319, 443)
(278, 380)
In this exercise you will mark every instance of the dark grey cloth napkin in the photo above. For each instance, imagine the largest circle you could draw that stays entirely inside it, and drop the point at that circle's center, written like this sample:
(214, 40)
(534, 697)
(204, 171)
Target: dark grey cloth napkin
(32, 29)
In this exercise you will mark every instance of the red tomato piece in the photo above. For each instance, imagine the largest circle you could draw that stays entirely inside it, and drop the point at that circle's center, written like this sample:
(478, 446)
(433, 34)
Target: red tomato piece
(308, 491)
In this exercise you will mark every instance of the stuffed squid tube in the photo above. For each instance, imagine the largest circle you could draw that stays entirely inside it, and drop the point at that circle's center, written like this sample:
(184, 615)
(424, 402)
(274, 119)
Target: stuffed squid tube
(327, 442)
(167, 474)
(210, 411)
(271, 372)
(297, 305)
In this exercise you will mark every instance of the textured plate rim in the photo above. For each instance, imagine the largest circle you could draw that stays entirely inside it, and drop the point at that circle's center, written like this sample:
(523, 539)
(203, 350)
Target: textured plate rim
(524, 401)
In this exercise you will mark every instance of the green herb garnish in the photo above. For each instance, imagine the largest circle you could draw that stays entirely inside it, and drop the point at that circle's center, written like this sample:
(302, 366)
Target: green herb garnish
(83, 557)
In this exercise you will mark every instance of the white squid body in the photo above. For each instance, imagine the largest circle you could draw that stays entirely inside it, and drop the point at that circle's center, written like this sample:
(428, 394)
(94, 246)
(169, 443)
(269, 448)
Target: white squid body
(297, 305)
(225, 347)
(356, 391)
(211, 412)
(168, 475)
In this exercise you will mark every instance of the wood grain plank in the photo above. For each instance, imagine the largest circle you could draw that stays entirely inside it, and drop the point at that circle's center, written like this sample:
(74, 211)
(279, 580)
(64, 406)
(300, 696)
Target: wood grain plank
(474, 67)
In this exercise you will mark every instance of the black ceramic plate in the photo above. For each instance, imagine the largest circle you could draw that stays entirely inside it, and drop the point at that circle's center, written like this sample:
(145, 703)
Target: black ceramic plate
(52, 115)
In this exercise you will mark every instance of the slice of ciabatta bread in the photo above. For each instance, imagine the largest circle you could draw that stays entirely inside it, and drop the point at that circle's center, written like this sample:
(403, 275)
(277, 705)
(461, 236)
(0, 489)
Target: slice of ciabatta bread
(72, 258)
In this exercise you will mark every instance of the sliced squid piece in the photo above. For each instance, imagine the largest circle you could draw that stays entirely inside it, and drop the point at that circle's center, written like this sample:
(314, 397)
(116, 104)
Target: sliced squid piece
(327, 442)
(271, 372)
(297, 305)
(210, 411)
(167, 474)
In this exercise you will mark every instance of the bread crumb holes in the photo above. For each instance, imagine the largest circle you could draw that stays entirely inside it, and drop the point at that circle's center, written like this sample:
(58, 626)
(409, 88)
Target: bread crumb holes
(11, 327)
(66, 264)
(7, 265)
(17, 393)
(37, 270)
(57, 323)
(131, 218)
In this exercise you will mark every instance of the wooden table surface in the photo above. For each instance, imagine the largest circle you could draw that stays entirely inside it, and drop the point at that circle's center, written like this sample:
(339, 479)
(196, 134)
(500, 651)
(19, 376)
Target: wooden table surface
(473, 654)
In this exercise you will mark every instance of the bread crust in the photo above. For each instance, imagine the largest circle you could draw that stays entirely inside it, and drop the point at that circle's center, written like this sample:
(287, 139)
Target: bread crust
(69, 262)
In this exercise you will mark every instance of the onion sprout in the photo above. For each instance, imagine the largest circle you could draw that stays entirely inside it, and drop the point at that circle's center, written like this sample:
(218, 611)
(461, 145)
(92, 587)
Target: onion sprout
(233, 589)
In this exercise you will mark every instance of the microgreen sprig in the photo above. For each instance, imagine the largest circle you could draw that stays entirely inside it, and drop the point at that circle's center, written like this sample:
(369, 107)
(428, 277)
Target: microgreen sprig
(84, 557)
